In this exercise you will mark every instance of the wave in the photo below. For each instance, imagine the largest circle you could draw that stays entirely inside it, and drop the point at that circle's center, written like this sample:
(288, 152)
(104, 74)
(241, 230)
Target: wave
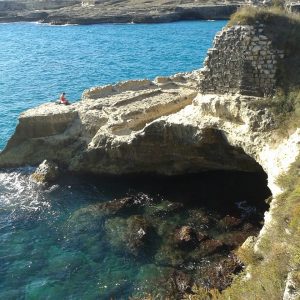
(17, 191)
(55, 25)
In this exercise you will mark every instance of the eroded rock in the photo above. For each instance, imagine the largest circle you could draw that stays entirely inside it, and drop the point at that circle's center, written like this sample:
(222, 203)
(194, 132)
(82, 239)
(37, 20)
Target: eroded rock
(229, 222)
(130, 233)
(46, 172)
(186, 237)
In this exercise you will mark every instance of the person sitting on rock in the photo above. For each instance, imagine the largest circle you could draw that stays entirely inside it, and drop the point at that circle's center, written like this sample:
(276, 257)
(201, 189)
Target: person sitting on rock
(63, 99)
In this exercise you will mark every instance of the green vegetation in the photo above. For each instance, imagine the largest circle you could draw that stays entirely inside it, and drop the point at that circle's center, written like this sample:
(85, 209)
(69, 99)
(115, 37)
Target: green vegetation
(279, 249)
(280, 246)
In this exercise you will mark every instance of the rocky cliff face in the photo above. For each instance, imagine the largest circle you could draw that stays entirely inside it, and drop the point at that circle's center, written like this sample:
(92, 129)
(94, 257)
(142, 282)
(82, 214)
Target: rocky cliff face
(187, 123)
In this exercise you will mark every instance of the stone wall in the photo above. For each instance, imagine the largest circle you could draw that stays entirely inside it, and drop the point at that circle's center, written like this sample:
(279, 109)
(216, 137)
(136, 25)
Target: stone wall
(242, 60)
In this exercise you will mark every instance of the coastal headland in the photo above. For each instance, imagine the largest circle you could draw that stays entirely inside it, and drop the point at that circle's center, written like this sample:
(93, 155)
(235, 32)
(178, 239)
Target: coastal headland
(96, 12)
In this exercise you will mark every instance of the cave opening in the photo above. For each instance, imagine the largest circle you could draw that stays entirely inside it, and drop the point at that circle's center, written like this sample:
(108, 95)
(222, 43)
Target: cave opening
(146, 234)
(192, 225)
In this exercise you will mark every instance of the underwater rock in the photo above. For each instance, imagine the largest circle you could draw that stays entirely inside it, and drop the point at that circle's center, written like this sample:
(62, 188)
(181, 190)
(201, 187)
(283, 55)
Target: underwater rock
(185, 237)
(130, 233)
(201, 236)
(197, 216)
(169, 255)
(164, 209)
(87, 219)
(124, 205)
(229, 222)
(115, 206)
(185, 234)
(46, 172)
(210, 246)
(183, 281)
(159, 281)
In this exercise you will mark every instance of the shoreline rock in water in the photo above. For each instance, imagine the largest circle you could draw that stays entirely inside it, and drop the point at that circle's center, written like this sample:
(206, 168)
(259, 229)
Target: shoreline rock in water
(46, 172)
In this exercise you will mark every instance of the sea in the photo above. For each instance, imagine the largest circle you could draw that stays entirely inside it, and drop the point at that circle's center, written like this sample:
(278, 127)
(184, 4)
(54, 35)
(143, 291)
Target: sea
(54, 241)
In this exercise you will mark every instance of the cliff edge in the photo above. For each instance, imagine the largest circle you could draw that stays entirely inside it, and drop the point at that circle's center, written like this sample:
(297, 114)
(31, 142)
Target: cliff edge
(198, 121)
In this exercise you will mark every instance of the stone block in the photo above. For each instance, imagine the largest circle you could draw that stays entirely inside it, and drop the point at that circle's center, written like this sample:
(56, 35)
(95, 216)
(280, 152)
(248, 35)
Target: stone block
(256, 49)
(263, 38)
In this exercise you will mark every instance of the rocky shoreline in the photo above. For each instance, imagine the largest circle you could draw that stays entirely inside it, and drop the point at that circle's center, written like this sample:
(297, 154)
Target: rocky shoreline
(206, 120)
(73, 12)
(172, 125)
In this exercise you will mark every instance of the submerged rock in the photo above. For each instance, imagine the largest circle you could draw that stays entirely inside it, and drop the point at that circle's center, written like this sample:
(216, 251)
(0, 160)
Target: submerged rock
(186, 237)
(163, 209)
(210, 246)
(46, 172)
(124, 205)
(86, 219)
(157, 281)
(131, 233)
(115, 206)
(183, 281)
(230, 222)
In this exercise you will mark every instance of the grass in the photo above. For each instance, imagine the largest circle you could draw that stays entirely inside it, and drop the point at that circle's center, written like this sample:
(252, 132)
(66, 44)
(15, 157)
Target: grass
(281, 244)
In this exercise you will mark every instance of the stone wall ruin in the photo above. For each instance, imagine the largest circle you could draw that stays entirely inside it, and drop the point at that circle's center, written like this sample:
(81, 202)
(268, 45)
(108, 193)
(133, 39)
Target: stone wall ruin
(242, 60)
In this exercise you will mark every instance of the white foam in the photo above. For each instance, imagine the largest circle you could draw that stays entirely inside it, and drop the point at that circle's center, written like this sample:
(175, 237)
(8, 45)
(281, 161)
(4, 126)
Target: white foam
(18, 192)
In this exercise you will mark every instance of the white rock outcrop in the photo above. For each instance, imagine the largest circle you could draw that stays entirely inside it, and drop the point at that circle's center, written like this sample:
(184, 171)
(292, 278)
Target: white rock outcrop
(172, 125)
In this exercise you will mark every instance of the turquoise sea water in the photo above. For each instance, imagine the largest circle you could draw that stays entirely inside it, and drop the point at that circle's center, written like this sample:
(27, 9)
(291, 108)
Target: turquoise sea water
(38, 62)
(52, 244)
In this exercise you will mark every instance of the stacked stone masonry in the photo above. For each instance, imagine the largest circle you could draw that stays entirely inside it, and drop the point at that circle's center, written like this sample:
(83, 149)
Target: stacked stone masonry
(242, 60)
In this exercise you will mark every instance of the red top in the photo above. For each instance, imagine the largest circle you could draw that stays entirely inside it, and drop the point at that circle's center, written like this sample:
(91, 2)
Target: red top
(62, 99)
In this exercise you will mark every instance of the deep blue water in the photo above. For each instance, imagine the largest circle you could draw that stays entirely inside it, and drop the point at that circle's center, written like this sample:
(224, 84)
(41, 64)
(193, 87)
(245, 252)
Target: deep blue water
(38, 62)
(50, 247)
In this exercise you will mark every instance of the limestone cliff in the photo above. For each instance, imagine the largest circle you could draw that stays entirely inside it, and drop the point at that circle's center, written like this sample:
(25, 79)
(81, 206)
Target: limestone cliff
(204, 120)
(173, 125)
